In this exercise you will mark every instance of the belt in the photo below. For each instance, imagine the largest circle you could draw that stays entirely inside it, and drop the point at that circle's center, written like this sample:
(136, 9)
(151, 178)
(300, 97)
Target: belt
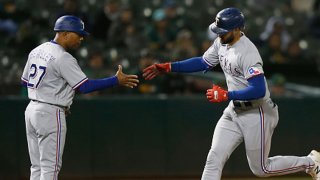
(247, 105)
(242, 104)
(63, 107)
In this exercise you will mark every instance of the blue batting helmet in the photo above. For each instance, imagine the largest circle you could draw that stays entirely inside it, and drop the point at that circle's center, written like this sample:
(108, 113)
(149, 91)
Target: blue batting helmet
(227, 20)
(71, 24)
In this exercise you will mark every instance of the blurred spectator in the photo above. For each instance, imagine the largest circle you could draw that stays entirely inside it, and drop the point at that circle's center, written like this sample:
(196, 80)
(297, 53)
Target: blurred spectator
(304, 6)
(198, 85)
(175, 20)
(315, 26)
(184, 46)
(119, 27)
(7, 23)
(205, 44)
(175, 83)
(314, 21)
(146, 87)
(134, 41)
(97, 69)
(295, 54)
(96, 66)
(278, 87)
(262, 5)
(19, 27)
(71, 7)
(11, 17)
(104, 19)
(26, 39)
(271, 52)
(124, 34)
(160, 35)
(275, 25)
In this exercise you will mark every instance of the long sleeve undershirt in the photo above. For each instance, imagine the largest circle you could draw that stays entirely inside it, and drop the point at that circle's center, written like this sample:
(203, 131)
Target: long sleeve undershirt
(98, 84)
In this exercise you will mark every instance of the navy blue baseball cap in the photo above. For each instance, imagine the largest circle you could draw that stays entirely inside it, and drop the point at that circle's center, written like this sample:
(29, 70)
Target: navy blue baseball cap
(70, 23)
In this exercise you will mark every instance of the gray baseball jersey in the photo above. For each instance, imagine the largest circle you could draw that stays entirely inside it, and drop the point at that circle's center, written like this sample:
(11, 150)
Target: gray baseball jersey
(52, 75)
(239, 62)
(253, 125)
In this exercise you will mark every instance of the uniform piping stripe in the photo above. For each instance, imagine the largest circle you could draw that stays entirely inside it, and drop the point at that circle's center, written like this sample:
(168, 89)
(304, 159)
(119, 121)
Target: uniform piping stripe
(25, 80)
(206, 61)
(79, 83)
(55, 176)
(264, 169)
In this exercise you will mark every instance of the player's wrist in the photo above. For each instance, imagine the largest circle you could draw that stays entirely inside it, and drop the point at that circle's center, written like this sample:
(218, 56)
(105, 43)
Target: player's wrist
(164, 67)
(114, 80)
(230, 95)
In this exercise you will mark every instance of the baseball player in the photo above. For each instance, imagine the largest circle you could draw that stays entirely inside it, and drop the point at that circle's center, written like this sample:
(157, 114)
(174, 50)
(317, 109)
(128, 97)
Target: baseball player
(52, 76)
(251, 116)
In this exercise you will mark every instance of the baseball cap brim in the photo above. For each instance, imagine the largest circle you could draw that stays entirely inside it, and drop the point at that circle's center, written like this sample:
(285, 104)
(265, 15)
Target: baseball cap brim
(220, 31)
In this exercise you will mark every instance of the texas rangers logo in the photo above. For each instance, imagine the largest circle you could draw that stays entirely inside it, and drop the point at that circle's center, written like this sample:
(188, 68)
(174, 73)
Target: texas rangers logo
(254, 71)
(217, 21)
(82, 25)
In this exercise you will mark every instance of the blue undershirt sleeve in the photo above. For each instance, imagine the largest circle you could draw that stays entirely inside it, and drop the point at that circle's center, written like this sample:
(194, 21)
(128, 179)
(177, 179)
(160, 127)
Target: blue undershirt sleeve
(255, 90)
(98, 84)
(194, 64)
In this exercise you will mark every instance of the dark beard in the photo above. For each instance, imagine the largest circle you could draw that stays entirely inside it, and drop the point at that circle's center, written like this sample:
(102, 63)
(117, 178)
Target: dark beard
(228, 40)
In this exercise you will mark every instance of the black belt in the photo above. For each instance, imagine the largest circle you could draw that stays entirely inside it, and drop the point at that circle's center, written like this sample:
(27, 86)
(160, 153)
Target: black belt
(250, 104)
(242, 103)
(63, 107)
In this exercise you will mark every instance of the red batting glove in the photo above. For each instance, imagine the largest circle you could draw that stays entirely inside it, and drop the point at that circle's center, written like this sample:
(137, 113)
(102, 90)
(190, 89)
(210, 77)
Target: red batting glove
(217, 94)
(154, 70)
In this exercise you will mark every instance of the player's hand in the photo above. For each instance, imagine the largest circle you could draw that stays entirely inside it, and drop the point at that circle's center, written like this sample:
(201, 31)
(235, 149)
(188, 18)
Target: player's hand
(127, 80)
(154, 70)
(217, 94)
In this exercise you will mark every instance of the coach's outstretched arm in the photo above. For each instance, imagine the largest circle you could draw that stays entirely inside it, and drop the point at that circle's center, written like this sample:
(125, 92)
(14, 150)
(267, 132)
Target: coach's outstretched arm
(120, 78)
(194, 64)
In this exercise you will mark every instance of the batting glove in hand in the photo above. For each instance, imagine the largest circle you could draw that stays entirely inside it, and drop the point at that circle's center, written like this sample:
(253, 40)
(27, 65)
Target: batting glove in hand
(217, 94)
(154, 70)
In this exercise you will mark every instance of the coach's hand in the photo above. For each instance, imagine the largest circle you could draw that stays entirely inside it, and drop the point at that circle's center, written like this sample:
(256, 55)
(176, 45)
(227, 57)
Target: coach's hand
(127, 80)
(154, 70)
(217, 94)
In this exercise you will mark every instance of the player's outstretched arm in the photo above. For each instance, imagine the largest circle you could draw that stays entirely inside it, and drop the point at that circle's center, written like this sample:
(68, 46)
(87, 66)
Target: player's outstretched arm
(154, 70)
(194, 64)
(127, 80)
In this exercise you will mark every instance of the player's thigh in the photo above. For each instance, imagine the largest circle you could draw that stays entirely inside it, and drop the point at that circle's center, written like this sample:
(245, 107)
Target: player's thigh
(257, 126)
(227, 136)
(52, 139)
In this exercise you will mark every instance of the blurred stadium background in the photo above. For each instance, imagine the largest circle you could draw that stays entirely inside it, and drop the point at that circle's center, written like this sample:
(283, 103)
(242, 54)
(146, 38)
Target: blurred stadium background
(163, 128)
